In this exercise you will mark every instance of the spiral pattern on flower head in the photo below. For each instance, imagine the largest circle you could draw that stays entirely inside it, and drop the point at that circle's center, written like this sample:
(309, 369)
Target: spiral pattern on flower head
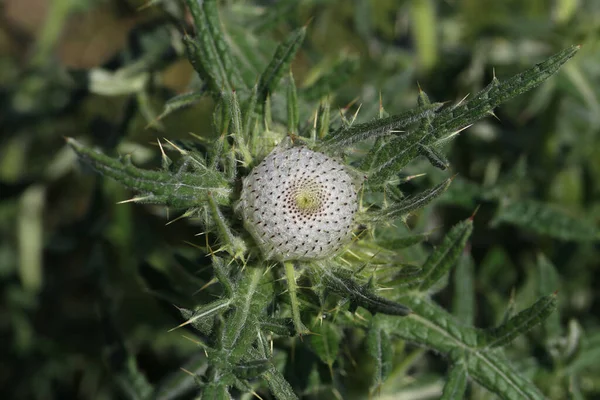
(299, 205)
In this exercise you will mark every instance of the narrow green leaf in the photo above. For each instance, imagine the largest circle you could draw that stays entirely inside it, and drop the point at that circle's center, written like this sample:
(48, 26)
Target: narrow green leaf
(456, 385)
(325, 341)
(410, 204)
(237, 131)
(218, 265)
(520, 323)
(408, 275)
(197, 317)
(403, 242)
(222, 115)
(358, 132)
(323, 119)
(422, 98)
(494, 372)
(361, 295)
(368, 161)
(547, 220)
(398, 152)
(251, 369)
(432, 326)
(446, 255)
(379, 346)
(250, 53)
(249, 112)
(482, 104)
(245, 290)
(394, 155)
(463, 299)
(251, 333)
(217, 151)
(212, 56)
(549, 282)
(281, 61)
(290, 275)
(236, 116)
(179, 102)
(215, 391)
(231, 243)
(279, 326)
(292, 105)
(279, 386)
(435, 157)
(182, 190)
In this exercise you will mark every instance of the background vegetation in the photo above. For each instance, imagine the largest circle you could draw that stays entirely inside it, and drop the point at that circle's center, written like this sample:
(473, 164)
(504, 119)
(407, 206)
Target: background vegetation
(88, 286)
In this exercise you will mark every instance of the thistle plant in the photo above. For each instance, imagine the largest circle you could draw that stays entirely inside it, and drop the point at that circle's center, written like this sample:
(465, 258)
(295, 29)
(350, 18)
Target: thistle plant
(300, 220)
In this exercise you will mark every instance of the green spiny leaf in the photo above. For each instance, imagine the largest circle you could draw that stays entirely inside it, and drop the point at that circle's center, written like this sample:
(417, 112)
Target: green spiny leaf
(403, 242)
(344, 137)
(379, 346)
(493, 372)
(218, 265)
(279, 326)
(435, 157)
(198, 317)
(398, 152)
(323, 119)
(446, 255)
(290, 275)
(236, 117)
(548, 282)
(251, 369)
(481, 105)
(232, 244)
(433, 327)
(463, 300)
(281, 61)
(280, 388)
(237, 131)
(249, 112)
(245, 290)
(361, 295)
(395, 154)
(212, 56)
(410, 204)
(182, 190)
(325, 341)
(456, 384)
(179, 102)
(215, 391)
(251, 331)
(292, 105)
(520, 323)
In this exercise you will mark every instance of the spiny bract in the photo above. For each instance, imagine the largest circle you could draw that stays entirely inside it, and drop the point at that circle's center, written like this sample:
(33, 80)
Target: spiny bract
(299, 205)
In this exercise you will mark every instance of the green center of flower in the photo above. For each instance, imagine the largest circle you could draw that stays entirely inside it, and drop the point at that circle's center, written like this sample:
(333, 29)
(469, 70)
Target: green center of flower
(307, 201)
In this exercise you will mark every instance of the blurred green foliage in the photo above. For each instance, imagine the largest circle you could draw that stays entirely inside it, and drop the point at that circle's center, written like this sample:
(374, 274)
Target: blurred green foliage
(88, 286)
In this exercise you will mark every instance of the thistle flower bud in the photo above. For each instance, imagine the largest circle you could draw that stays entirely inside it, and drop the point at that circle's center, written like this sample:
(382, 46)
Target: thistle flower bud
(299, 205)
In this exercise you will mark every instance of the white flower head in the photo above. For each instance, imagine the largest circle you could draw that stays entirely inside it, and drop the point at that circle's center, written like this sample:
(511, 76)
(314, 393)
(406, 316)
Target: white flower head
(299, 205)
